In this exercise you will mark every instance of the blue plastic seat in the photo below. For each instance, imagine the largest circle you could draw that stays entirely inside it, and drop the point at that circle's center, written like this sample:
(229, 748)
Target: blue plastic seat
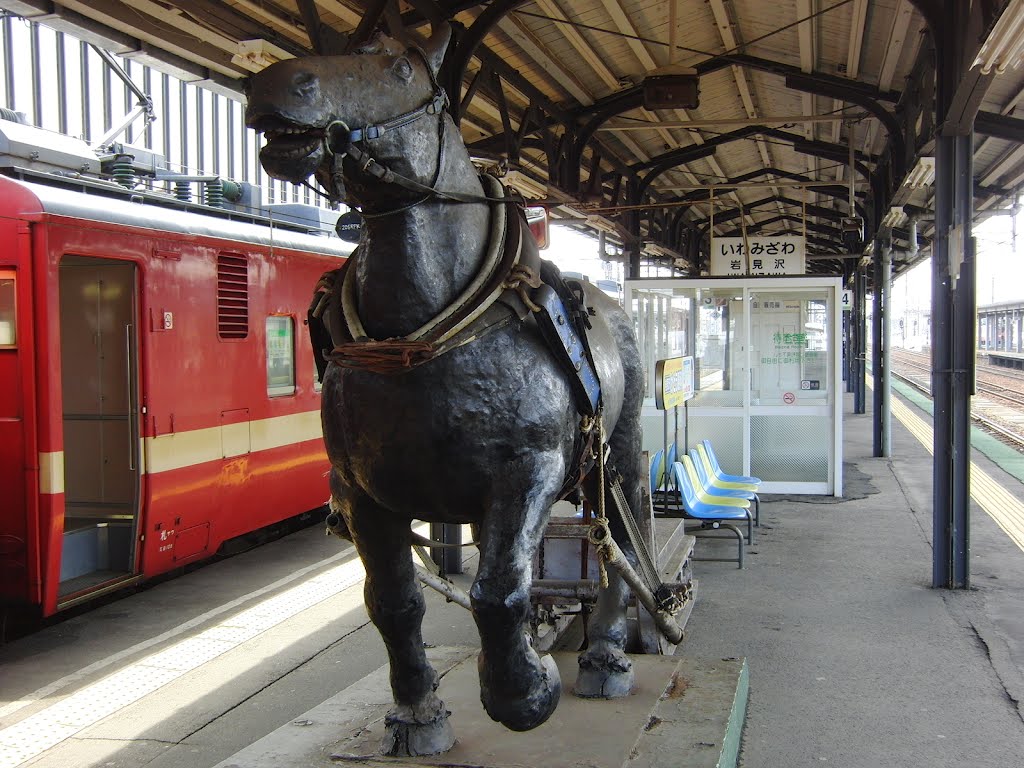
(710, 497)
(657, 472)
(671, 460)
(711, 517)
(715, 487)
(723, 476)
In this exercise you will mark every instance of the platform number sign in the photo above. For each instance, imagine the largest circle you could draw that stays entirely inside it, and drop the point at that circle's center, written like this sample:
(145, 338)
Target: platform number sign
(847, 300)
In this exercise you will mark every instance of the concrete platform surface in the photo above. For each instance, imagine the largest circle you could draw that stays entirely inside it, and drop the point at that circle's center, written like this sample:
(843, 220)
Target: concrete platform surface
(855, 660)
(682, 712)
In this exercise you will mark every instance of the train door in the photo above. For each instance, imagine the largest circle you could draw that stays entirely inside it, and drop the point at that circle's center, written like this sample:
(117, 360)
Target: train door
(98, 310)
(15, 425)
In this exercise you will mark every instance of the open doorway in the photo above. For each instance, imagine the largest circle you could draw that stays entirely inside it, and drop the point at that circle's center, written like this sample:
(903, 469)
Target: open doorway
(98, 345)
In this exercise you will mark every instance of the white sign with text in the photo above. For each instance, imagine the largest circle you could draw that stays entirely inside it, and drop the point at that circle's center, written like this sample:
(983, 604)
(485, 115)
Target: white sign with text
(760, 255)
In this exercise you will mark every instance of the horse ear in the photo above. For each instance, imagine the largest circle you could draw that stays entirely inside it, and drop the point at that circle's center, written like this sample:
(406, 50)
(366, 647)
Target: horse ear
(435, 47)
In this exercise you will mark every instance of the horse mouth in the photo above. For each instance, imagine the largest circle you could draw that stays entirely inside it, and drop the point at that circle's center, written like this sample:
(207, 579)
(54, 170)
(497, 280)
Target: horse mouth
(289, 139)
(292, 151)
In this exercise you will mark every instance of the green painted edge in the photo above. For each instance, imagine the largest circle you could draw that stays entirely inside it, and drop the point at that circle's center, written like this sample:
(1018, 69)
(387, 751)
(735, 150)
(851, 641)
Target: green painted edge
(1009, 460)
(737, 717)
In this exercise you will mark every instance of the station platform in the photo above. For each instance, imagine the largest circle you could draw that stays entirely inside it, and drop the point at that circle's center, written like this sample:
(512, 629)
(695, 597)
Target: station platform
(1005, 359)
(854, 660)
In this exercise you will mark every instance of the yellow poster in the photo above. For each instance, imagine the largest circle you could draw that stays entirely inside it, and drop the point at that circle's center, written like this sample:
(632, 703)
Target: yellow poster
(673, 382)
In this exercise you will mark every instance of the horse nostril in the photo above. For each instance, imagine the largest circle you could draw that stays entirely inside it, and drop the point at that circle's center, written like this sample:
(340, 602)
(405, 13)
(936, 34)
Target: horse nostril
(306, 84)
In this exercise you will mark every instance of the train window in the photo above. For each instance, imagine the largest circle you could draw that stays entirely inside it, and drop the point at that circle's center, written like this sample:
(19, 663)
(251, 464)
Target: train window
(8, 324)
(232, 296)
(280, 356)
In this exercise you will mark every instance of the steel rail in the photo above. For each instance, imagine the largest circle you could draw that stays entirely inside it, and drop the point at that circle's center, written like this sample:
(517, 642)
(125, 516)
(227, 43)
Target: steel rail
(1016, 440)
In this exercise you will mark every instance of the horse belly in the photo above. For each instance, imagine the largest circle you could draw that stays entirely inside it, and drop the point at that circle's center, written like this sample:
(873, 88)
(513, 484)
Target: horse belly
(436, 443)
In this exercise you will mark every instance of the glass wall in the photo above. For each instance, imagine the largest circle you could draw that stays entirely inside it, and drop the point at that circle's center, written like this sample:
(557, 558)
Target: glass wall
(767, 373)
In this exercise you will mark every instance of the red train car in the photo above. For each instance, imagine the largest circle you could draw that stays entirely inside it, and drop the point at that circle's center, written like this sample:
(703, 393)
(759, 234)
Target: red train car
(157, 394)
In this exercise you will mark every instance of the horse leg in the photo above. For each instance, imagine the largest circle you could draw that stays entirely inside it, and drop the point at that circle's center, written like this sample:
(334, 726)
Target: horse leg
(604, 669)
(418, 724)
(518, 688)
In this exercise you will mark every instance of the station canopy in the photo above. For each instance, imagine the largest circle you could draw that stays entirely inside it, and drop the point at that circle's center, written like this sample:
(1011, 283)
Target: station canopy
(662, 123)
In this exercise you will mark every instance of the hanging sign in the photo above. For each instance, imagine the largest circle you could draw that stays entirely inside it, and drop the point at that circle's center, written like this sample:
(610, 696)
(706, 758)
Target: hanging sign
(673, 382)
(349, 226)
(780, 255)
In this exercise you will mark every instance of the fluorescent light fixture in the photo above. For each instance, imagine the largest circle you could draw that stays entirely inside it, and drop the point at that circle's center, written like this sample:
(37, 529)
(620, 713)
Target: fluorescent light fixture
(1004, 46)
(922, 174)
(524, 185)
(602, 224)
(894, 217)
(256, 55)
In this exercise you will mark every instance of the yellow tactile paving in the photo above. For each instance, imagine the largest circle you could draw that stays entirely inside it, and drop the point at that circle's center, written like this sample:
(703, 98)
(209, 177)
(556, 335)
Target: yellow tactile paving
(1004, 508)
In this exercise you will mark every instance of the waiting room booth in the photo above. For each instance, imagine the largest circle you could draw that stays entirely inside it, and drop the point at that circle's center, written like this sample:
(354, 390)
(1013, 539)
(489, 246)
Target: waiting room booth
(767, 373)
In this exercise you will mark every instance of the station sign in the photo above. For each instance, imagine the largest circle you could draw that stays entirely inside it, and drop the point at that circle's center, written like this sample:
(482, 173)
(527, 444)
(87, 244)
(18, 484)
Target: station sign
(673, 382)
(758, 256)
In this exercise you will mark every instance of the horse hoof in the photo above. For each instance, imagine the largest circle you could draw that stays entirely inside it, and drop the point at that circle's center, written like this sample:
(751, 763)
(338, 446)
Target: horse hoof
(409, 735)
(604, 675)
(535, 708)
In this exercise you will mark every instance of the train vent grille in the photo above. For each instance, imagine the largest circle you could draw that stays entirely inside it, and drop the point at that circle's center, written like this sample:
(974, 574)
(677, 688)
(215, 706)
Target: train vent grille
(232, 296)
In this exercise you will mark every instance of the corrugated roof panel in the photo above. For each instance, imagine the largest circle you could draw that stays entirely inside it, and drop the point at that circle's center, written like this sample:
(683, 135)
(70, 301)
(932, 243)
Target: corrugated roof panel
(879, 43)
(765, 31)
(774, 98)
(1005, 91)
(990, 152)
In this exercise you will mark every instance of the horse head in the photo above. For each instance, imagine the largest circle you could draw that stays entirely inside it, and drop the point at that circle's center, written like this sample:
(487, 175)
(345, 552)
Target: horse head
(315, 110)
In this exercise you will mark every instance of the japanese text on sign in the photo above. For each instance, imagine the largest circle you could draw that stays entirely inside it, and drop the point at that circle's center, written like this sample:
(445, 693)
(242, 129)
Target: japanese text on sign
(789, 349)
(762, 255)
(673, 382)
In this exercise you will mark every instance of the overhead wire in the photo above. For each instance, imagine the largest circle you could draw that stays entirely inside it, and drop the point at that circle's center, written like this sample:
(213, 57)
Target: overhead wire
(686, 49)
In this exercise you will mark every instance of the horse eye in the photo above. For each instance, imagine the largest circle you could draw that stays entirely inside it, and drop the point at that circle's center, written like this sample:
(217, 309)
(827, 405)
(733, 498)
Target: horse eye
(403, 68)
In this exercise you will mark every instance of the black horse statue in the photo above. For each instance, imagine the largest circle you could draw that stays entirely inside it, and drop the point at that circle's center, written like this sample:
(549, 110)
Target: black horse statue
(485, 433)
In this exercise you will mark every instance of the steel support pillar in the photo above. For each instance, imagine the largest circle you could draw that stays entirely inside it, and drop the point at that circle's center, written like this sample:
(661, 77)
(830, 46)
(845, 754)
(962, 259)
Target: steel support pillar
(877, 349)
(860, 336)
(850, 359)
(448, 559)
(632, 221)
(953, 313)
(886, 293)
(964, 358)
(848, 316)
(943, 567)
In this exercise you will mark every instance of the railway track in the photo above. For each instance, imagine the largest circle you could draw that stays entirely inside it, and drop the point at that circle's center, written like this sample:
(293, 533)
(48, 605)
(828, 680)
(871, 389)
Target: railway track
(998, 406)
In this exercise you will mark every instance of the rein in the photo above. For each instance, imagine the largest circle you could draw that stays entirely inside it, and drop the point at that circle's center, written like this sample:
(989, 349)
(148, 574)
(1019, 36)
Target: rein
(340, 142)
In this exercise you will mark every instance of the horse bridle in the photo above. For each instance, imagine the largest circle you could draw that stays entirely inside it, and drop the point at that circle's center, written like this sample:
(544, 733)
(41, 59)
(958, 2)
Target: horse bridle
(340, 142)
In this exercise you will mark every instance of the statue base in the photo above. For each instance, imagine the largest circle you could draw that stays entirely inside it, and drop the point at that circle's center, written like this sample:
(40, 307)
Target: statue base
(682, 712)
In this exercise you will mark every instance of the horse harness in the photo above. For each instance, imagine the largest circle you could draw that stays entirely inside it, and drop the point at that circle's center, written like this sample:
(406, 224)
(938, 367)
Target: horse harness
(340, 142)
(514, 286)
